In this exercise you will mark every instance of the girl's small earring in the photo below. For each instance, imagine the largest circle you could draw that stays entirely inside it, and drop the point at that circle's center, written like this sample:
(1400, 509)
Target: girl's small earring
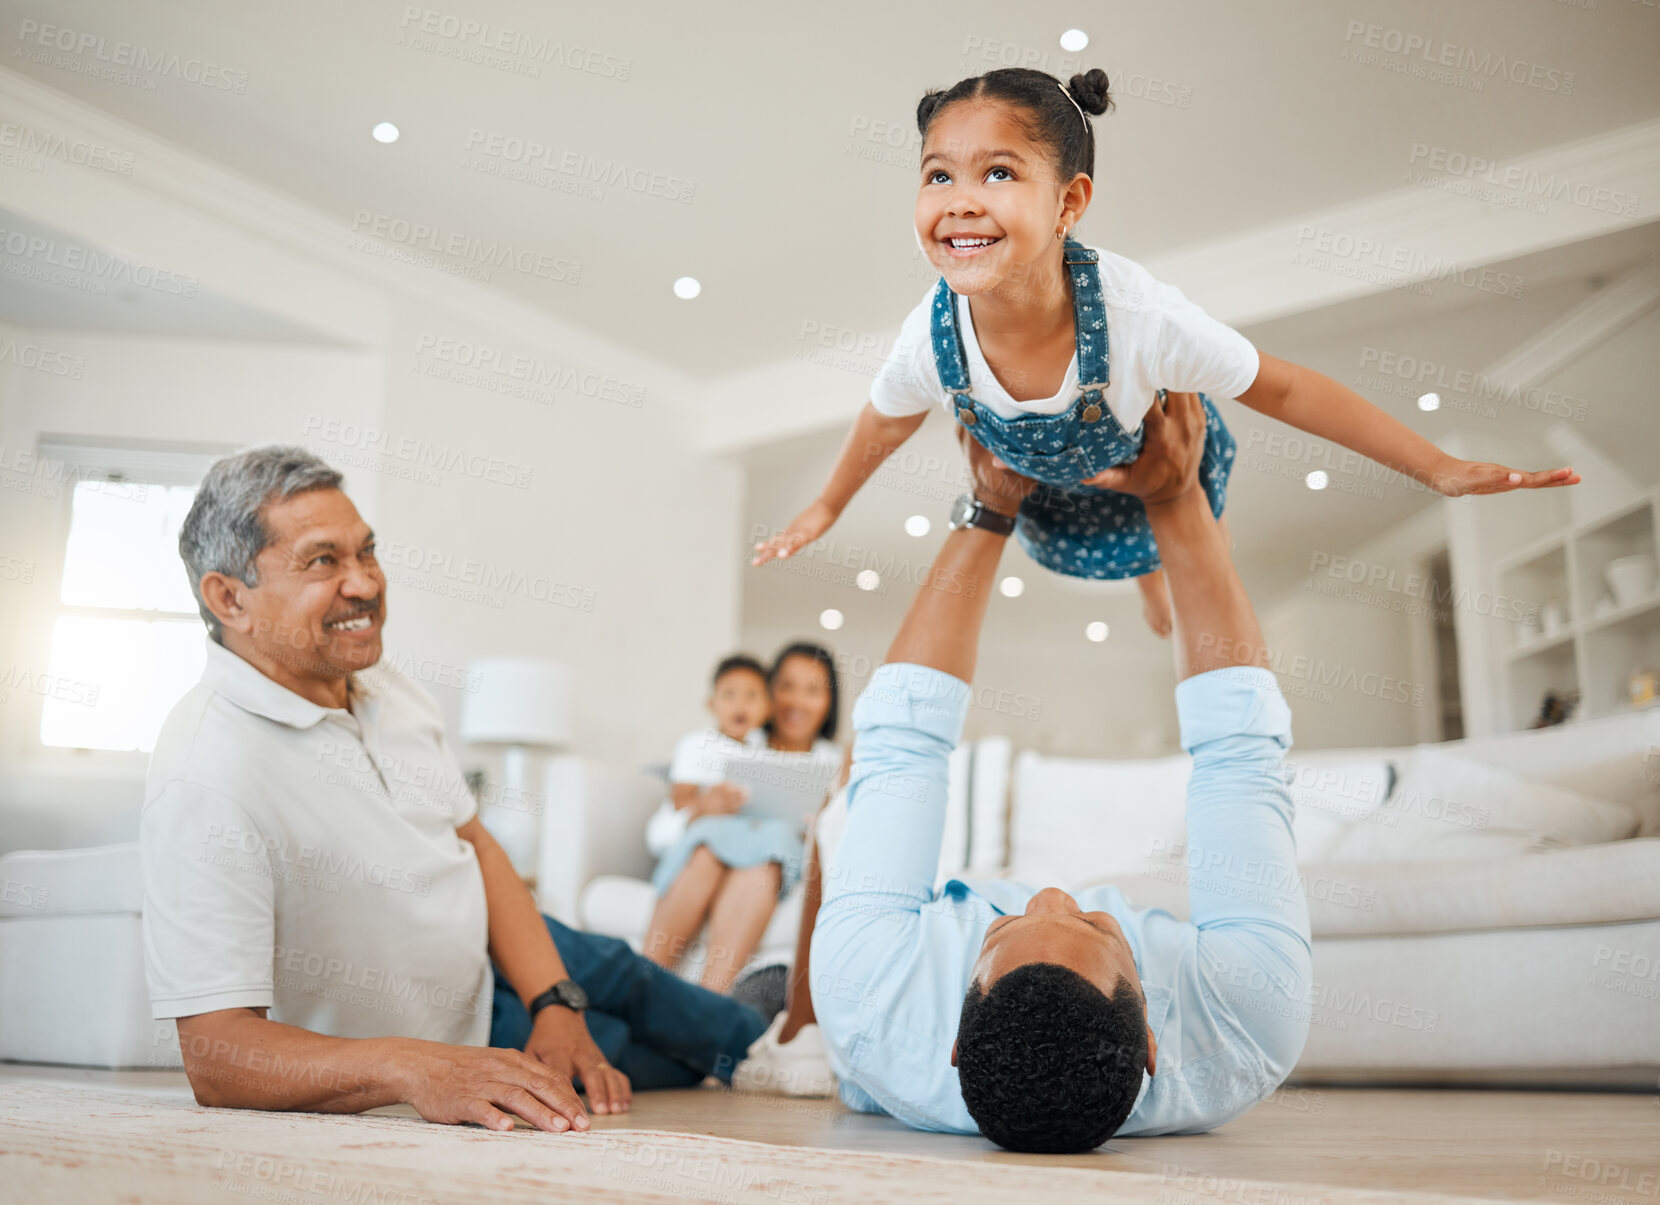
(1061, 233)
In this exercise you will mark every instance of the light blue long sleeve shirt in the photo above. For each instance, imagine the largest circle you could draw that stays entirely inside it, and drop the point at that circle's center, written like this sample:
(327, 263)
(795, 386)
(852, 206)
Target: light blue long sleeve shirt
(1227, 992)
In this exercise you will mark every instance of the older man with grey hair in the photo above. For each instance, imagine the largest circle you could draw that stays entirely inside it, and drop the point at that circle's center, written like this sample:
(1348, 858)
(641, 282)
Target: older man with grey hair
(322, 905)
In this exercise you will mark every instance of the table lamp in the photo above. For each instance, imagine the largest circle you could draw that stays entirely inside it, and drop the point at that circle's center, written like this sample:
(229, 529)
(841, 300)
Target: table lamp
(523, 704)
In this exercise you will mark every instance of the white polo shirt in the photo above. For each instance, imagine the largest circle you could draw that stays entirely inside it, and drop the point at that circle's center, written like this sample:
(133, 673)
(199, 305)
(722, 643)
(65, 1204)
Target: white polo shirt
(304, 859)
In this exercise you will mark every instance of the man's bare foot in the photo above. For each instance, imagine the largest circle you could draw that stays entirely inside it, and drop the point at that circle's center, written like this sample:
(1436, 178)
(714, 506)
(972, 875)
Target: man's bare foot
(1155, 602)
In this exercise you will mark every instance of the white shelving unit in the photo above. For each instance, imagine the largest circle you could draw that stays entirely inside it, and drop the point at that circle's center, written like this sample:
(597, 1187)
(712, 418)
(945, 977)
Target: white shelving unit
(1597, 644)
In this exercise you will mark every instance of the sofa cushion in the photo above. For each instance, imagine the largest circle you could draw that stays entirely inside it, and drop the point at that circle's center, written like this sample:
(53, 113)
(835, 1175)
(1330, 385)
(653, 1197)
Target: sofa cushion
(1447, 806)
(1331, 792)
(1617, 883)
(1077, 820)
(1616, 758)
(102, 879)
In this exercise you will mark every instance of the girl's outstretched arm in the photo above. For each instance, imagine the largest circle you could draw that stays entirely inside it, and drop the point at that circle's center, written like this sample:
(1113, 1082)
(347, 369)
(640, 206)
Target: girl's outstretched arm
(873, 439)
(1319, 405)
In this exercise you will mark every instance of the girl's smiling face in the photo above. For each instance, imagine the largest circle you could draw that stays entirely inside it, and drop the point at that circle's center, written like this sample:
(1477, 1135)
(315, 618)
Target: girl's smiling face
(989, 204)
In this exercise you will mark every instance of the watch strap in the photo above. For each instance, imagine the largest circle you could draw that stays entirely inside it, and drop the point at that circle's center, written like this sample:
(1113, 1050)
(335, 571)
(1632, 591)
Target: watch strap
(557, 994)
(983, 517)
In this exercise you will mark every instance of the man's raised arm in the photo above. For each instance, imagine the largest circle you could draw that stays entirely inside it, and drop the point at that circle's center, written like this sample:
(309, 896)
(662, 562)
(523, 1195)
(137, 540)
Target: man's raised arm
(1215, 625)
(942, 628)
(1244, 893)
(910, 717)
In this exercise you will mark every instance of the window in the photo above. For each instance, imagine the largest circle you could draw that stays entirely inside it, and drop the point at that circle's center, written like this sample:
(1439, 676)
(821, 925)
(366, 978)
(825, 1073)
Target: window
(125, 641)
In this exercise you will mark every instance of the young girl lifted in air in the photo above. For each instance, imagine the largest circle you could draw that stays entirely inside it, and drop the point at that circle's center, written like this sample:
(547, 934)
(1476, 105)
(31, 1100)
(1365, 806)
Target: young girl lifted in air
(1049, 353)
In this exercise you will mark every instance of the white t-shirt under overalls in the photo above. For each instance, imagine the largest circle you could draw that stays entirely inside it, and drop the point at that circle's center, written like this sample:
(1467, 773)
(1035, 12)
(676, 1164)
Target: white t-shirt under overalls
(1156, 339)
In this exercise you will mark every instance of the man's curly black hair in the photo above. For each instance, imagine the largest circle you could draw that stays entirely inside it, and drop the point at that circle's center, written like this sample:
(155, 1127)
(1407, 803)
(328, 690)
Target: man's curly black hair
(1048, 1063)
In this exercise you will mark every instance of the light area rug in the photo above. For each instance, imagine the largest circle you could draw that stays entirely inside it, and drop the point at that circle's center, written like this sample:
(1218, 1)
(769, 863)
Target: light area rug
(64, 1143)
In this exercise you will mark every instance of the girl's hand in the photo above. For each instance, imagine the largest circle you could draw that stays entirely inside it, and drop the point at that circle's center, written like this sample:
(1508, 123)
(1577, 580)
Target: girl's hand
(1455, 478)
(809, 525)
(723, 799)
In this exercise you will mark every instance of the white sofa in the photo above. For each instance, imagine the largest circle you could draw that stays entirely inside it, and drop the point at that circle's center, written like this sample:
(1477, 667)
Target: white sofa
(1481, 964)
(72, 961)
(1528, 968)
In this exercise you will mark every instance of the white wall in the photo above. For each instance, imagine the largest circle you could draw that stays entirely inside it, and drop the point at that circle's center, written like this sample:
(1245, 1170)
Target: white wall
(1352, 644)
(604, 508)
(118, 388)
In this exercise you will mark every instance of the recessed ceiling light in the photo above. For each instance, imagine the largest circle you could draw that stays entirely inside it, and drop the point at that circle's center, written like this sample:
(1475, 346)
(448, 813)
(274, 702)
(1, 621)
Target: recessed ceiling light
(687, 288)
(830, 619)
(1096, 631)
(918, 525)
(1074, 39)
(1012, 587)
(1317, 480)
(384, 131)
(1430, 401)
(868, 579)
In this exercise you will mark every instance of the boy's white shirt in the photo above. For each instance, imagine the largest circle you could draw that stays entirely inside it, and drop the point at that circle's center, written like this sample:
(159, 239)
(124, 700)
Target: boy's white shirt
(1156, 339)
(700, 756)
(700, 759)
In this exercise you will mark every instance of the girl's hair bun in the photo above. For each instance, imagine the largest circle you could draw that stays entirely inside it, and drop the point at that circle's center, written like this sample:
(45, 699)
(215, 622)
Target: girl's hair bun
(1090, 90)
(926, 106)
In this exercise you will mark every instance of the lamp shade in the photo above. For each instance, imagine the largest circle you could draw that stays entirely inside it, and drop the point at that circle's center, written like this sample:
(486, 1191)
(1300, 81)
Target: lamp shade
(517, 701)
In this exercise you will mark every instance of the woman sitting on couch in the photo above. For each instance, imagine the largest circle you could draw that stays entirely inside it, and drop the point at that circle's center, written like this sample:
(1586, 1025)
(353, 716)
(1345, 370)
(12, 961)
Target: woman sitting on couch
(724, 861)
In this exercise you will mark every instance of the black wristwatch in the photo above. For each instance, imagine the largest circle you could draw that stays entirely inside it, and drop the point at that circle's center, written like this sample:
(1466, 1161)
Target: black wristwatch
(565, 992)
(969, 511)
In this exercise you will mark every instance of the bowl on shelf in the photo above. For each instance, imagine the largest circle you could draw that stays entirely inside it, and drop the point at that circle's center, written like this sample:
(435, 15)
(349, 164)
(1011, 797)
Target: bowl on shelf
(1631, 578)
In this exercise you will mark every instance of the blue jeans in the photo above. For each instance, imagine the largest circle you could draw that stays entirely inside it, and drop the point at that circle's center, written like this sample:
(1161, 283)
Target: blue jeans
(650, 1024)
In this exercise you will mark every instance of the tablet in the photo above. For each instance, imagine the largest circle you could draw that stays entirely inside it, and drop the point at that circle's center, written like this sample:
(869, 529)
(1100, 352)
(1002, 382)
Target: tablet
(788, 786)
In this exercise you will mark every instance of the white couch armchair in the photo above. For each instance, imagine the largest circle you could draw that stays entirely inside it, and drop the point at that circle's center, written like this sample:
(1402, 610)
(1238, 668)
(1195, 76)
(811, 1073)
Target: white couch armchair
(1492, 966)
(1511, 941)
(72, 961)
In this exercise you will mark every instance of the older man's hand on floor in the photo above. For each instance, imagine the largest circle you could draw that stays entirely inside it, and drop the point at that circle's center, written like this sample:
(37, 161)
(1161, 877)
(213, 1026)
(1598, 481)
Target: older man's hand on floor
(483, 1084)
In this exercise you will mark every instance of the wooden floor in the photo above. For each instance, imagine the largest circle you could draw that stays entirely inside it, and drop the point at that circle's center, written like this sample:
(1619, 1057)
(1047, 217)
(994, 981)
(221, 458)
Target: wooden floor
(1548, 1146)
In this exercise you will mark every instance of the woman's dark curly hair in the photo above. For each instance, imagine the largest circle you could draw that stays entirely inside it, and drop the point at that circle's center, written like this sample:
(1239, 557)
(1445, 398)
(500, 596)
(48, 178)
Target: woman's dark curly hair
(1047, 1062)
(1046, 110)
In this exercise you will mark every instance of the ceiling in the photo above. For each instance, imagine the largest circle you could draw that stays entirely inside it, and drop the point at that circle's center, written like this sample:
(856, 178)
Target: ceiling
(779, 133)
(785, 129)
(106, 299)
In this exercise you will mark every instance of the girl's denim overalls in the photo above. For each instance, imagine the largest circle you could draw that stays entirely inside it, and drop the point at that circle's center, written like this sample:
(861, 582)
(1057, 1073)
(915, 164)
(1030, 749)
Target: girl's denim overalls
(1073, 529)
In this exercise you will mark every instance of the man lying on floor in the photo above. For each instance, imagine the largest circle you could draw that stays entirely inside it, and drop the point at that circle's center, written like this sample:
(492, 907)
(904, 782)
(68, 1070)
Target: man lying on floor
(1045, 1021)
(321, 902)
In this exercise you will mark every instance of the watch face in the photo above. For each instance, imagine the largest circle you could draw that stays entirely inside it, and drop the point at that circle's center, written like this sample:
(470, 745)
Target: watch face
(571, 994)
(961, 509)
